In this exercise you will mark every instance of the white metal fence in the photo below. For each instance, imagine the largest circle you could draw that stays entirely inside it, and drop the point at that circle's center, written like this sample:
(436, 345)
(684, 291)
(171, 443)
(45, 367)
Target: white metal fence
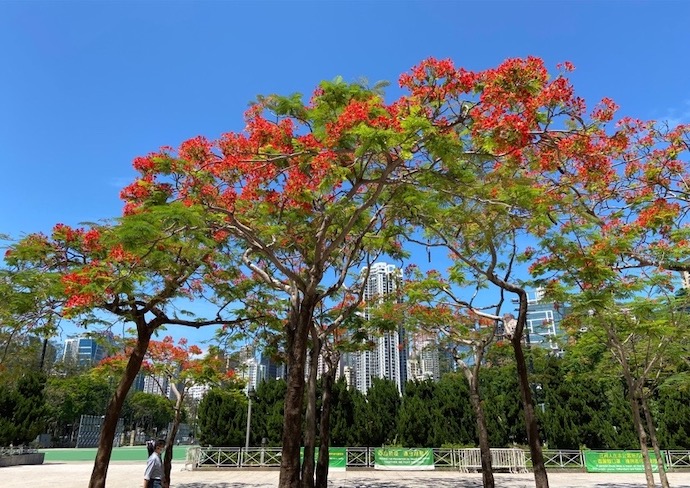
(14, 451)
(559, 458)
(466, 460)
(512, 460)
(356, 457)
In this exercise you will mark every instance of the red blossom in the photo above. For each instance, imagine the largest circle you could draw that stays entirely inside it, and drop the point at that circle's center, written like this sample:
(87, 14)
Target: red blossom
(197, 150)
(604, 111)
(144, 164)
(566, 66)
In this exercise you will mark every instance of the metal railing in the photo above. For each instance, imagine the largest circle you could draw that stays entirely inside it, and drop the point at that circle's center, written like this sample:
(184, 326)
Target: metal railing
(356, 457)
(466, 460)
(359, 457)
(445, 458)
(261, 457)
(511, 459)
(559, 458)
(677, 459)
(14, 451)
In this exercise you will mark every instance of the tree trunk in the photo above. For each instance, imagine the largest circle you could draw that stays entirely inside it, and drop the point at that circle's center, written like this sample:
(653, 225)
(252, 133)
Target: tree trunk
(170, 442)
(651, 428)
(325, 430)
(310, 415)
(642, 436)
(618, 351)
(112, 414)
(484, 447)
(540, 477)
(297, 335)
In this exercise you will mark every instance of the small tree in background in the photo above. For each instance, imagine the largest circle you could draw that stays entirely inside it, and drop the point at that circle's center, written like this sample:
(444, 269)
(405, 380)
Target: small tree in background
(133, 271)
(69, 396)
(176, 366)
(433, 307)
(223, 418)
(182, 365)
(23, 409)
(149, 411)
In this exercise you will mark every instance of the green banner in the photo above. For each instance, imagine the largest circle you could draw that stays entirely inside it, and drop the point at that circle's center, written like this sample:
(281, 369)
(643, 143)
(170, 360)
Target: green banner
(337, 457)
(408, 459)
(617, 462)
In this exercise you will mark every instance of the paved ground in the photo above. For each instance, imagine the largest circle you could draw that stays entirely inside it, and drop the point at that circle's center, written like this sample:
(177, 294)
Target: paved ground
(130, 475)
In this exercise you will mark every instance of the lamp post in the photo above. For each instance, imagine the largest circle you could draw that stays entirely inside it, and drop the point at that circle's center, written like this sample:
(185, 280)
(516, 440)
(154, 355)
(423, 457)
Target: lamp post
(250, 396)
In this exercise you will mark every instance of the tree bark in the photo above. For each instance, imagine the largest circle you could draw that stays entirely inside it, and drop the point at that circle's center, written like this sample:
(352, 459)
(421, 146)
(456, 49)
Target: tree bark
(651, 428)
(483, 434)
(642, 436)
(634, 399)
(325, 426)
(112, 414)
(310, 415)
(297, 335)
(170, 442)
(540, 477)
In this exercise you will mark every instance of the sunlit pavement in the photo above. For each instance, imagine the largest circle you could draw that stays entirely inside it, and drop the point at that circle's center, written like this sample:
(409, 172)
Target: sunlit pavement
(130, 475)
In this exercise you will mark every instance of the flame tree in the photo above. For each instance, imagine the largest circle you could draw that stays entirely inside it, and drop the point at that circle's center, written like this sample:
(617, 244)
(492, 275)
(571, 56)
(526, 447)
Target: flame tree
(433, 307)
(305, 190)
(131, 271)
(501, 145)
(308, 188)
(618, 234)
(478, 195)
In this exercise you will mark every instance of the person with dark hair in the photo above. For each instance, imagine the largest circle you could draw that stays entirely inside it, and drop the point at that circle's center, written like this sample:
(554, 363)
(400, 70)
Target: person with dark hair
(153, 476)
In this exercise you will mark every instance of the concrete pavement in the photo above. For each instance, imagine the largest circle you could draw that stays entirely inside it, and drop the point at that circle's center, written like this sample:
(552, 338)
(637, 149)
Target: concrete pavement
(130, 475)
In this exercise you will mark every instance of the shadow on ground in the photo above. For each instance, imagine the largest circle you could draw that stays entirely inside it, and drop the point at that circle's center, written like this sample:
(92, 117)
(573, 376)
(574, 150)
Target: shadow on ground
(631, 485)
(431, 482)
(356, 483)
(363, 483)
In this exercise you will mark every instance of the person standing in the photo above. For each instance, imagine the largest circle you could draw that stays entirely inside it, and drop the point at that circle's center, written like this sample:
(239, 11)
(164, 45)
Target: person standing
(153, 476)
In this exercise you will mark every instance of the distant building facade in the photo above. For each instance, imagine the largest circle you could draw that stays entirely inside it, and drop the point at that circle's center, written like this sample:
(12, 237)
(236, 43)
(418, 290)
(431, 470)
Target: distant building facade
(425, 358)
(249, 368)
(86, 350)
(387, 358)
(197, 392)
(685, 280)
(157, 385)
(543, 323)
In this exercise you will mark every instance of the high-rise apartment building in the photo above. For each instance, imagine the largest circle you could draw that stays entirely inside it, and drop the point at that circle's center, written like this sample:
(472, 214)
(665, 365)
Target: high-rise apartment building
(197, 392)
(270, 370)
(425, 358)
(157, 385)
(350, 378)
(251, 371)
(543, 319)
(365, 368)
(685, 277)
(85, 350)
(388, 358)
(138, 384)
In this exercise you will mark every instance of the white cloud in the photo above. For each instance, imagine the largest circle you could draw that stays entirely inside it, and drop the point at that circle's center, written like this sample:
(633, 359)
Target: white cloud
(677, 115)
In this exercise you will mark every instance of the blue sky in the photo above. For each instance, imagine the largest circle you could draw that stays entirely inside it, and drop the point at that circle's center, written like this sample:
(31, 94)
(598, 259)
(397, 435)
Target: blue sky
(87, 86)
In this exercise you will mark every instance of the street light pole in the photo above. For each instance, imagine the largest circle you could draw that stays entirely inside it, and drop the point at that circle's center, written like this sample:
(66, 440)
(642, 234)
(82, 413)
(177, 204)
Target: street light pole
(250, 394)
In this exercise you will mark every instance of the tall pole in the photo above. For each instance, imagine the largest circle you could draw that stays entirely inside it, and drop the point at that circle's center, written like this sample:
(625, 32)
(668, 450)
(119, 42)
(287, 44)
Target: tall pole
(43, 354)
(249, 419)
